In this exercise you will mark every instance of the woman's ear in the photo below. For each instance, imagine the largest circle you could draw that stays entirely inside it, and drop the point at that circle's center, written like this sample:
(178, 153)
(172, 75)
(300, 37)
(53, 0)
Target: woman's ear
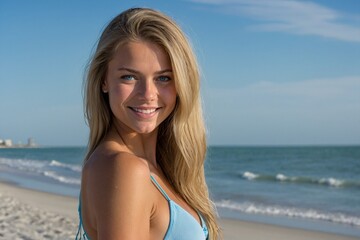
(104, 87)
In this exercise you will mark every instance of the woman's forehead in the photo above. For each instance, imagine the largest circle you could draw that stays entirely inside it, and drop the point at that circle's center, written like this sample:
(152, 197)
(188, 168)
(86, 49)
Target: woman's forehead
(141, 54)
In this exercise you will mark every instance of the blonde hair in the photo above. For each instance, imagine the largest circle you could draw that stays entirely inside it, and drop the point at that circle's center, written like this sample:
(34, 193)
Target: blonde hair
(181, 146)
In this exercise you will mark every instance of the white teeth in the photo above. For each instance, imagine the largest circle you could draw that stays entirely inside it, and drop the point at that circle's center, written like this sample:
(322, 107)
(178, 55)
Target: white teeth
(146, 111)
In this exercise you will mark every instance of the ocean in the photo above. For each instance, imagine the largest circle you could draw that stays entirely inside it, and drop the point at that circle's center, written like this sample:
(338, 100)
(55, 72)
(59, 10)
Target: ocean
(315, 188)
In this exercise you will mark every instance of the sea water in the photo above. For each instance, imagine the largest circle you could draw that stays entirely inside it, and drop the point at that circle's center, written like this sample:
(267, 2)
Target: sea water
(309, 187)
(317, 187)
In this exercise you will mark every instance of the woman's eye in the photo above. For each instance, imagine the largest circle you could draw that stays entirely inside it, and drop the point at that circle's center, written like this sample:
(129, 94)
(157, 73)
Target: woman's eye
(128, 77)
(164, 78)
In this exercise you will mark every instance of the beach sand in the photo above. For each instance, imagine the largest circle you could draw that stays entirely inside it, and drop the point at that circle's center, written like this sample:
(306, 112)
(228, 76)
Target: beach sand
(28, 214)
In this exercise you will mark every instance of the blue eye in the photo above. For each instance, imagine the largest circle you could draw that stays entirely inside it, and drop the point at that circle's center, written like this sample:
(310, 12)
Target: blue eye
(164, 78)
(128, 77)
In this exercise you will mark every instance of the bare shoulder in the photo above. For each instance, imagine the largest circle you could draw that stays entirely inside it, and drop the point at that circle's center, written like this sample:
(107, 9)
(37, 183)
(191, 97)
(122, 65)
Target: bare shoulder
(117, 189)
(108, 168)
(105, 162)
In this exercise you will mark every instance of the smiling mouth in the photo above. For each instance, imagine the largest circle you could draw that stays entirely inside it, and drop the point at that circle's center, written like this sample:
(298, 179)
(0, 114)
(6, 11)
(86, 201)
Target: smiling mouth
(144, 111)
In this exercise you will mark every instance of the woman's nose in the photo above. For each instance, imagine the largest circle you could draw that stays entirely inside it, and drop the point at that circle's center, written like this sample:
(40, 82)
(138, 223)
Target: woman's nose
(147, 90)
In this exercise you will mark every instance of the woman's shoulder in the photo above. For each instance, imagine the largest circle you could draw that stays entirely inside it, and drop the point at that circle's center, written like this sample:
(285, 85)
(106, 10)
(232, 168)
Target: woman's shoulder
(109, 168)
(108, 158)
(111, 171)
(116, 183)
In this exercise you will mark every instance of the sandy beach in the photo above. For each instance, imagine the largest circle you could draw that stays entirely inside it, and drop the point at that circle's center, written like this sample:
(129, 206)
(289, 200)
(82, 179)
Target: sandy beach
(28, 214)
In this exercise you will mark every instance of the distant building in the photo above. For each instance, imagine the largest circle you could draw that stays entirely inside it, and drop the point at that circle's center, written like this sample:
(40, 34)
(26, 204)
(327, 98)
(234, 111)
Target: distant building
(8, 143)
(31, 142)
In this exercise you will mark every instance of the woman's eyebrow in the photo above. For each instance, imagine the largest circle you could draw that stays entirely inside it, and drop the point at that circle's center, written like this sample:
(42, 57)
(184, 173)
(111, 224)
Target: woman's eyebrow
(137, 72)
(128, 69)
(164, 71)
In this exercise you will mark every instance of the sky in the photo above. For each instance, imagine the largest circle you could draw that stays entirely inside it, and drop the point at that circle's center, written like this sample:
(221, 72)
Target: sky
(273, 72)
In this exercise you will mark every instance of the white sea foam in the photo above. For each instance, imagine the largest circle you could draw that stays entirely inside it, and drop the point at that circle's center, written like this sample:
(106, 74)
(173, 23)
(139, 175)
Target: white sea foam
(56, 163)
(23, 164)
(75, 168)
(281, 177)
(290, 212)
(60, 178)
(331, 182)
(36, 166)
(250, 175)
(50, 169)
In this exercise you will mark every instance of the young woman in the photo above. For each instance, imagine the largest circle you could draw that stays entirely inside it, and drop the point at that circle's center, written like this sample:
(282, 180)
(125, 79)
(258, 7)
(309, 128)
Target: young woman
(143, 175)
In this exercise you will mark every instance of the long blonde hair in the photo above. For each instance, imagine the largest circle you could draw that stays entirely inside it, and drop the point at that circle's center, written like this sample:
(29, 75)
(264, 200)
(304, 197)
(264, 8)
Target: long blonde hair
(181, 145)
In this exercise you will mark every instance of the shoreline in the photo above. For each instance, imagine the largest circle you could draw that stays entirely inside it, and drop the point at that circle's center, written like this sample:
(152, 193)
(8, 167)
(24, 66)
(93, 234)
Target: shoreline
(21, 208)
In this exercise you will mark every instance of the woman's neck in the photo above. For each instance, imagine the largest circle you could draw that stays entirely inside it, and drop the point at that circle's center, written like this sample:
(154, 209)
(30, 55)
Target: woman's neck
(141, 145)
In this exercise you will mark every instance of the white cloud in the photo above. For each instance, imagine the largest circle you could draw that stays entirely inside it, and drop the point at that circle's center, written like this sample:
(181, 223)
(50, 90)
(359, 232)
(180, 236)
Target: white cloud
(320, 111)
(296, 17)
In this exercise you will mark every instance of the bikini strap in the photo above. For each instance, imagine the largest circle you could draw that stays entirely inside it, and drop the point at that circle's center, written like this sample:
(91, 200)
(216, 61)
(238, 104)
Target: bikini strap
(204, 226)
(81, 234)
(159, 187)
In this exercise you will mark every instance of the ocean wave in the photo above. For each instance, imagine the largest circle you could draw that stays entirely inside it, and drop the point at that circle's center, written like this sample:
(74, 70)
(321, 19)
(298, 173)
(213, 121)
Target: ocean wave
(332, 182)
(61, 172)
(36, 165)
(75, 168)
(60, 178)
(250, 175)
(23, 164)
(290, 212)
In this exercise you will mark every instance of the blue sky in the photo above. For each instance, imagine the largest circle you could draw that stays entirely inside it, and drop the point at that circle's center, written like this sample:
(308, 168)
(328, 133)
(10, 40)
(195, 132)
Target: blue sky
(273, 72)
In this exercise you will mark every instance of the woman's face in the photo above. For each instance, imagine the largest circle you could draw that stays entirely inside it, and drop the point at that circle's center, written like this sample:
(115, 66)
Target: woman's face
(141, 87)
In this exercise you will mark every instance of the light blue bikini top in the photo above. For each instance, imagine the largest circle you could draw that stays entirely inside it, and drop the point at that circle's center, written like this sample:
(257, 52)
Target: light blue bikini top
(182, 225)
